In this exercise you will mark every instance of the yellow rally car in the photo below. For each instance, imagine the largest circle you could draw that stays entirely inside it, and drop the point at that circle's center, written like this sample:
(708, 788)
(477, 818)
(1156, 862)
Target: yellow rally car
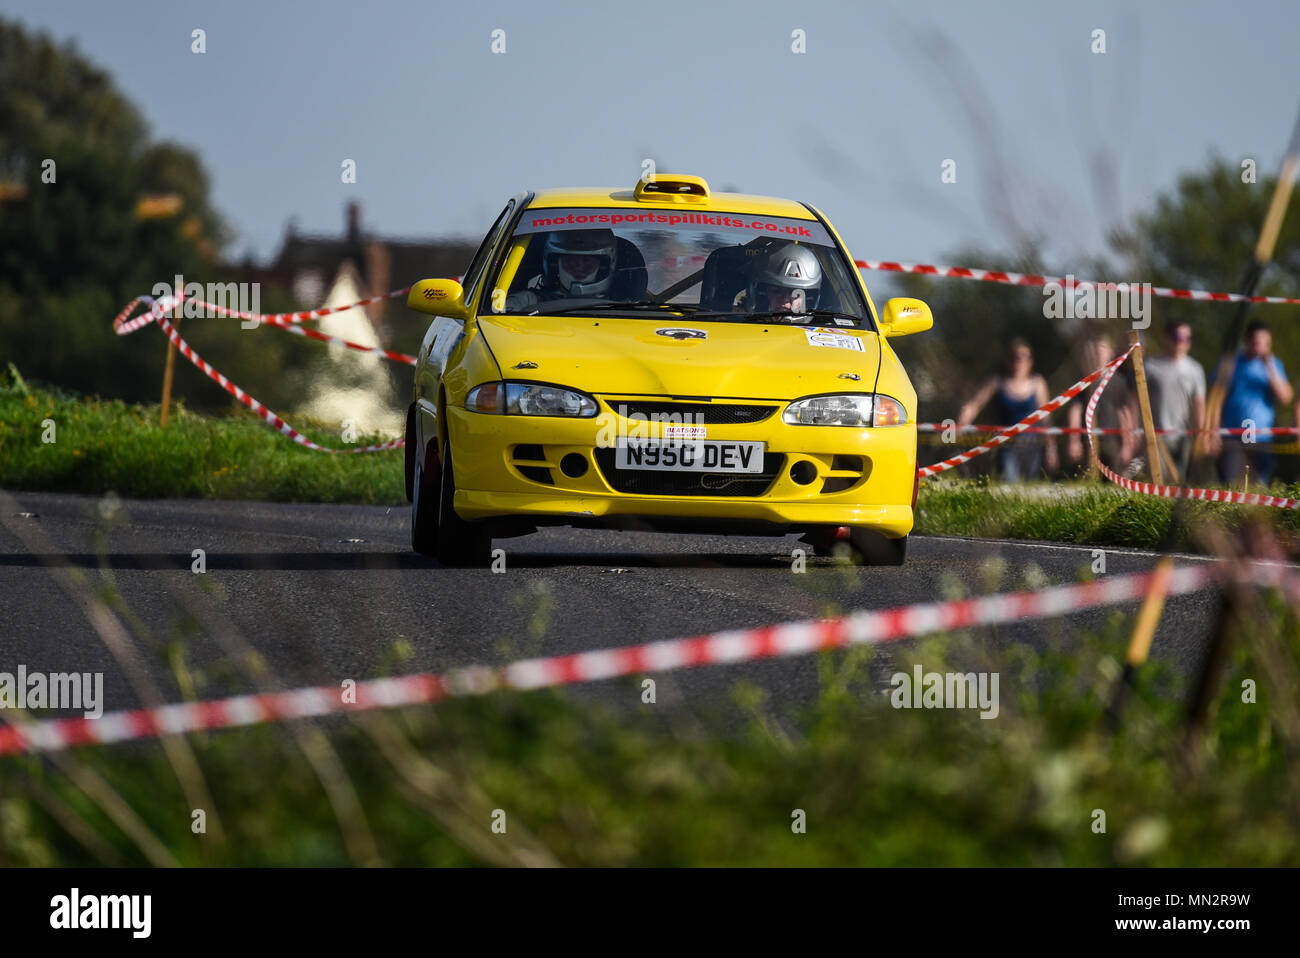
(663, 357)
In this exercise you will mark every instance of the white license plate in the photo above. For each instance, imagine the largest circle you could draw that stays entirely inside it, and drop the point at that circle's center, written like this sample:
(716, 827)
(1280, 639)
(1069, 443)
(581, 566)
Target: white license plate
(689, 455)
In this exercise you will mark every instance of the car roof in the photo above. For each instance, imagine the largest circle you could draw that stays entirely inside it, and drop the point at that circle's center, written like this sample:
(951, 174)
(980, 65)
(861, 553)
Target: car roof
(621, 198)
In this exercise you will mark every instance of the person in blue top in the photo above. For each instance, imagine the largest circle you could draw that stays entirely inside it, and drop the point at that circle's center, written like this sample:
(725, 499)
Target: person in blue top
(1016, 393)
(1255, 381)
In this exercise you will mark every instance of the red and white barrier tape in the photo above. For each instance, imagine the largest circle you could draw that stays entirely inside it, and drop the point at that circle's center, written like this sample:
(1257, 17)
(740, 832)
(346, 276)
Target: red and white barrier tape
(389, 354)
(1035, 430)
(122, 326)
(288, 322)
(158, 312)
(1170, 492)
(1031, 279)
(1080, 430)
(794, 638)
(1011, 431)
(277, 319)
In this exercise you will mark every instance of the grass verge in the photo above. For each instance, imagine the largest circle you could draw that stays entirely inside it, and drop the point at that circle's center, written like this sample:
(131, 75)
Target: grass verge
(103, 444)
(1086, 514)
(574, 783)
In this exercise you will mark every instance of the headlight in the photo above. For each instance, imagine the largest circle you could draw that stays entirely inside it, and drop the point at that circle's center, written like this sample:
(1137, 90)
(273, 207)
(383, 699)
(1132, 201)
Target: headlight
(861, 409)
(529, 399)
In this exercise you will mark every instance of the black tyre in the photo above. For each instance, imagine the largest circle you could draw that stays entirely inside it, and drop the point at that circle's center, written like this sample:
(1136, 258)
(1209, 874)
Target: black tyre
(424, 511)
(861, 546)
(822, 540)
(409, 455)
(872, 548)
(459, 543)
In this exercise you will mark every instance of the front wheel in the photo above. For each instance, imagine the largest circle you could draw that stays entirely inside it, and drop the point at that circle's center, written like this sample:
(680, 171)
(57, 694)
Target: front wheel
(859, 545)
(460, 543)
(424, 510)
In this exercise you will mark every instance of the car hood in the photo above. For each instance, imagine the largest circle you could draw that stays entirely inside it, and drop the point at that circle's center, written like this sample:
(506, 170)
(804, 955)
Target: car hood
(606, 355)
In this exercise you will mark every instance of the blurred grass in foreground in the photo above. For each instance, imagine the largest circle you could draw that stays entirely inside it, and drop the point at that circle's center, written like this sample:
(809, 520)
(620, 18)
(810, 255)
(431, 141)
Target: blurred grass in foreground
(588, 784)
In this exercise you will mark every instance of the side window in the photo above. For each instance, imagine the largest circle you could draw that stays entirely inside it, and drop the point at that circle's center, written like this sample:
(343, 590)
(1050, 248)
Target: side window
(474, 275)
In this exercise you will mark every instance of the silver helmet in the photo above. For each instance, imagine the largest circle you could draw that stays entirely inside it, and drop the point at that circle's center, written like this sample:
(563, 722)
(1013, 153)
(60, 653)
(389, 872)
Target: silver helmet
(557, 261)
(788, 267)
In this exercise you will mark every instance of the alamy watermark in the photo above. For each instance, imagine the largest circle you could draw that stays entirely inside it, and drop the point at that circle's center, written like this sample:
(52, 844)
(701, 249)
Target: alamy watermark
(1076, 300)
(77, 691)
(213, 301)
(634, 424)
(946, 690)
(73, 911)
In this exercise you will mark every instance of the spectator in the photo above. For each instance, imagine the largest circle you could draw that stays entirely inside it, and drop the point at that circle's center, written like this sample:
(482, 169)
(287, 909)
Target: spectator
(1177, 383)
(1117, 410)
(1016, 393)
(1255, 380)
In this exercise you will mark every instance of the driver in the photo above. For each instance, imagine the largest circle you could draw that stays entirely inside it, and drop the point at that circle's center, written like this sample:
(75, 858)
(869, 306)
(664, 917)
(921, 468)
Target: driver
(576, 264)
(787, 280)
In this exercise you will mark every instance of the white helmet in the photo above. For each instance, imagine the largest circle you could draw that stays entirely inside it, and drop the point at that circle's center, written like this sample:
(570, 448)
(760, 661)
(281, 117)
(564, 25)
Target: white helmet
(788, 267)
(559, 259)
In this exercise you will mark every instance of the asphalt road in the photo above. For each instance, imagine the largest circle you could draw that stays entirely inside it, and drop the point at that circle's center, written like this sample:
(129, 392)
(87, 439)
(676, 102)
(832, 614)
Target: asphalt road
(327, 592)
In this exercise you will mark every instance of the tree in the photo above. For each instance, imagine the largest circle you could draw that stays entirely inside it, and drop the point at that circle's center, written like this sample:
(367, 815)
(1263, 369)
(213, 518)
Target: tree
(75, 249)
(1201, 236)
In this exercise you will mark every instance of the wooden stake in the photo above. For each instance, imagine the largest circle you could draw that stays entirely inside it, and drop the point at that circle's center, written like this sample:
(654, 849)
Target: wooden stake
(1144, 403)
(1144, 631)
(169, 368)
(1167, 458)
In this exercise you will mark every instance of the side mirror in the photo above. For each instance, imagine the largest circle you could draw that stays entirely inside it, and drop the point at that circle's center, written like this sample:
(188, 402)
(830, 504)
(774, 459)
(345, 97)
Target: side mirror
(904, 316)
(439, 297)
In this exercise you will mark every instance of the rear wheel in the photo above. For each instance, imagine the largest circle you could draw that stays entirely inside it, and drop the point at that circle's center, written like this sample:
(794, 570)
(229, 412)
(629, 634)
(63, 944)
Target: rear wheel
(459, 543)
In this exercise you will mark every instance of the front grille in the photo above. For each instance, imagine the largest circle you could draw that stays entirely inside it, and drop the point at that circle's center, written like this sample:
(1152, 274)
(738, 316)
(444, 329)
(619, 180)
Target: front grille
(652, 482)
(694, 413)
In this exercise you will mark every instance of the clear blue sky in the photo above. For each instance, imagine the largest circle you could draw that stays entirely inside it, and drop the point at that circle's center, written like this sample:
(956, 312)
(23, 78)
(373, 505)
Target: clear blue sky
(1049, 138)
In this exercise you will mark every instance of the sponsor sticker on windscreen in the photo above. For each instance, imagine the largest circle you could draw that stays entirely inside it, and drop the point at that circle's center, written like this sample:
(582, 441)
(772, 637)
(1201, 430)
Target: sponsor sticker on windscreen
(820, 337)
(713, 455)
(741, 225)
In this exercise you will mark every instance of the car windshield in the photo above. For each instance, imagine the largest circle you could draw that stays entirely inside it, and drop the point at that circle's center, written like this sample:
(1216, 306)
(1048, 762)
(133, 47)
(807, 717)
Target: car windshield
(634, 262)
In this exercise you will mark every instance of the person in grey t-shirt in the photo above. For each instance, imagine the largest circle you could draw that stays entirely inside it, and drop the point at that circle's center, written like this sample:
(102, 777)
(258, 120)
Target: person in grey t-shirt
(1177, 384)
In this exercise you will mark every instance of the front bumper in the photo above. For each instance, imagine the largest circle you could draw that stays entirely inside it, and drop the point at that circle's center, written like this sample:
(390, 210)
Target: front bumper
(519, 467)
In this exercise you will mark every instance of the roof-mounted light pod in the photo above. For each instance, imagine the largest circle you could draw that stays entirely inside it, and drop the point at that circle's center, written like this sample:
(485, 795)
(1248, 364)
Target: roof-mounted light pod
(673, 187)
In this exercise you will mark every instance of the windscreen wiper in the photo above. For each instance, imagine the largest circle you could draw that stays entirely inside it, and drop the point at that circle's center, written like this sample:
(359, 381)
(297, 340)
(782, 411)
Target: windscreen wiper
(634, 305)
(789, 315)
